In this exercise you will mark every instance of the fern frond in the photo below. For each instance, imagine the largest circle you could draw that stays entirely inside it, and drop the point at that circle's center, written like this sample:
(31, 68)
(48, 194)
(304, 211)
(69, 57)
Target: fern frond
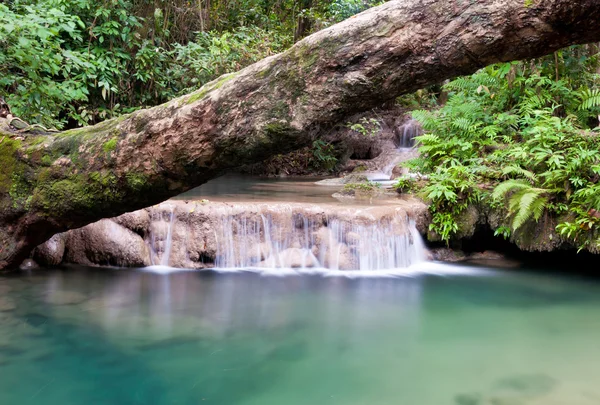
(538, 206)
(427, 119)
(526, 204)
(462, 123)
(519, 171)
(590, 98)
(505, 187)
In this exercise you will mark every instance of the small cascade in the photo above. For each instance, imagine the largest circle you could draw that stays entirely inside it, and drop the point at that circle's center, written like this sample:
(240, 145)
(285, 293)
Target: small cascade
(407, 134)
(161, 236)
(404, 150)
(290, 238)
(169, 241)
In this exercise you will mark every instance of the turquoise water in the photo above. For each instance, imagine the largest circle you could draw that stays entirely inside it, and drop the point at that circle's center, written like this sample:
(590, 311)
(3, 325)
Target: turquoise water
(83, 336)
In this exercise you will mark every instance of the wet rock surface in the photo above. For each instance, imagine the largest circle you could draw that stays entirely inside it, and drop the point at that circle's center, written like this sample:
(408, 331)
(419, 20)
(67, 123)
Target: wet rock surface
(106, 243)
(50, 253)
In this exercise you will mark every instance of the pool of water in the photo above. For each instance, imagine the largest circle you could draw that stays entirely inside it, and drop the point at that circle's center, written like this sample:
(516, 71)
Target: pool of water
(236, 188)
(466, 336)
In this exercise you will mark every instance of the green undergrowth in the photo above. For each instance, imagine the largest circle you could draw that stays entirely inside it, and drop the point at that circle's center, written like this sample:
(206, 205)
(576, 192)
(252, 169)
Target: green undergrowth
(67, 63)
(514, 138)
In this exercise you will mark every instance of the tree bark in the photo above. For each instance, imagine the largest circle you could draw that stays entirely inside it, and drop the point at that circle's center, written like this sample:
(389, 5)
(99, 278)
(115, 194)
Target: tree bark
(304, 23)
(55, 182)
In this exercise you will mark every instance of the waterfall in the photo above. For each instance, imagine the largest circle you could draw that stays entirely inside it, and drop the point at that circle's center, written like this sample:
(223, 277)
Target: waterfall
(169, 241)
(407, 133)
(296, 238)
(402, 150)
(161, 236)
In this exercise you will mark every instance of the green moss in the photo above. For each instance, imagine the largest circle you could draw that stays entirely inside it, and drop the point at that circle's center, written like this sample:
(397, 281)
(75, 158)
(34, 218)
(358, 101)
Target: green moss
(20, 191)
(94, 130)
(95, 191)
(265, 72)
(208, 87)
(9, 163)
(65, 146)
(304, 56)
(136, 181)
(47, 160)
(110, 145)
(36, 140)
(61, 196)
(276, 129)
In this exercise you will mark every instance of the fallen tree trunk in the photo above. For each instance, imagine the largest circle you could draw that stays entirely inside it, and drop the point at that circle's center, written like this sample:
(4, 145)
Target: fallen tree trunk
(51, 183)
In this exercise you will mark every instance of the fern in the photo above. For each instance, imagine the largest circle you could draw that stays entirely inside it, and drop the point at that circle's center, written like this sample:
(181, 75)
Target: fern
(505, 187)
(525, 203)
(518, 171)
(427, 119)
(590, 98)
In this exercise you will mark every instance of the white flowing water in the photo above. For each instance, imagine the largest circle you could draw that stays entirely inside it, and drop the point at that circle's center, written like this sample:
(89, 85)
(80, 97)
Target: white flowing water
(169, 242)
(304, 242)
(407, 134)
(404, 151)
(161, 238)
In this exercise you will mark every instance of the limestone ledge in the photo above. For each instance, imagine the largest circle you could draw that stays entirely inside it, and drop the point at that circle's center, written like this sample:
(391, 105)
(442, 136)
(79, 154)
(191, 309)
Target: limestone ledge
(188, 230)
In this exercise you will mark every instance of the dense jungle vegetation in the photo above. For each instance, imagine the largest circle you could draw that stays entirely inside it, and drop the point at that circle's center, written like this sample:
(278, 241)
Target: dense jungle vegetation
(69, 63)
(521, 137)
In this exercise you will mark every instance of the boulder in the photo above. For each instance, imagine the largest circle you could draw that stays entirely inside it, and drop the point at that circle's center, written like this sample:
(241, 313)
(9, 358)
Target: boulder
(51, 252)
(106, 243)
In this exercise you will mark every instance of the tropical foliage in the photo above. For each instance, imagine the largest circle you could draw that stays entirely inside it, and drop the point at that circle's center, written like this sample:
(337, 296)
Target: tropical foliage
(68, 63)
(521, 136)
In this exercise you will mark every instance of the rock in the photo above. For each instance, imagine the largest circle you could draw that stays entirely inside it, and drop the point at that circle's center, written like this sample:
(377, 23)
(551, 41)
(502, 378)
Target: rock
(338, 257)
(51, 252)
(517, 390)
(352, 238)
(490, 258)
(351, 178)
(28, 264)
(487, 255)
(106, 243)
(137, 221)
(398, 171)
(447, 255)
(505, 401)
(467, 222)
(58, 297)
